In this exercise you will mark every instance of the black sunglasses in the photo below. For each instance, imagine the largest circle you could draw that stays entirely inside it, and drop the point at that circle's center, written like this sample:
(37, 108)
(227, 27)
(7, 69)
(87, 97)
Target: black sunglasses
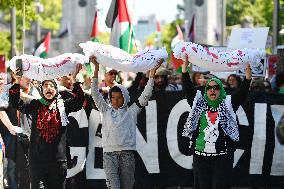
(214, 87)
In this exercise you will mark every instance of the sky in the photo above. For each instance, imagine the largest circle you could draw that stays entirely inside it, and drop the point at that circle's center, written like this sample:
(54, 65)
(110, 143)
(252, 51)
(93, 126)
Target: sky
(163, 9)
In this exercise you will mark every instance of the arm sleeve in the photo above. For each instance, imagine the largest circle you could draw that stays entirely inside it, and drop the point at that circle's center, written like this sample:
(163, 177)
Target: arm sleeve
(144, 97)
(188, 88)
(98, 98)
(241, 94)
(146, 94)
(75, 103)
(18, 103)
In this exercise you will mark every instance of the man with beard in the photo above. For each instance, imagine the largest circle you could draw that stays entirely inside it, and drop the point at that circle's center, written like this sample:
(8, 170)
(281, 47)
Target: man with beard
(161, 81)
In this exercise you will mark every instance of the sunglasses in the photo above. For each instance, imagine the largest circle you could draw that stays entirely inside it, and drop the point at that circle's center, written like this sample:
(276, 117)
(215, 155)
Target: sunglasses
(214, 87)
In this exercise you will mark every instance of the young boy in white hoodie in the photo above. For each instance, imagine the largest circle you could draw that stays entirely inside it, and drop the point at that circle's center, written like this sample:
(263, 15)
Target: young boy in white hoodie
(119, 129)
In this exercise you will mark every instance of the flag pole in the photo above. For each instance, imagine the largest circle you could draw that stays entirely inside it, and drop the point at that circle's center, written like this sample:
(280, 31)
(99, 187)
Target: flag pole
(24, 26)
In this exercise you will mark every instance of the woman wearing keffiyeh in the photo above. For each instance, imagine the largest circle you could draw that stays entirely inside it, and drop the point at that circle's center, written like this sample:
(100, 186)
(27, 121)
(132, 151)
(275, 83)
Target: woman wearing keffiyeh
(47, 153)
(212, 128)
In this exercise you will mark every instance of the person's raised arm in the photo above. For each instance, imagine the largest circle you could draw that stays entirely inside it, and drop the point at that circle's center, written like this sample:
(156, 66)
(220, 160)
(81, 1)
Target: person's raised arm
(187, 85)
(241, 94)
(147, 92)
(75, 103)
(97, 96)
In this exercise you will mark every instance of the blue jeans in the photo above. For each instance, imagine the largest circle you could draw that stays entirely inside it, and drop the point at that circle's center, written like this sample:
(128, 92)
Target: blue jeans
(119, 168)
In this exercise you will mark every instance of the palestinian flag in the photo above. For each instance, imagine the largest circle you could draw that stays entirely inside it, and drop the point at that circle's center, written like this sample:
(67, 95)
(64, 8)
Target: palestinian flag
(95, 29)
(176, 63)
(2, 64)
(119, 20)
(42, 47)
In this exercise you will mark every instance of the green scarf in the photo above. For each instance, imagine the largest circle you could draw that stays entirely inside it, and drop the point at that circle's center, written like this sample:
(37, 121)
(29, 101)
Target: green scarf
(44, 102)
(222, 96)
(281, 90)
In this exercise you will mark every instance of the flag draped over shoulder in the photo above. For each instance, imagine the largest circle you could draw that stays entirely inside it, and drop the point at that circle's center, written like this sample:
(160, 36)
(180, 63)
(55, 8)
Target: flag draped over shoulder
(41, 48)
(95, 29)
(119, 20)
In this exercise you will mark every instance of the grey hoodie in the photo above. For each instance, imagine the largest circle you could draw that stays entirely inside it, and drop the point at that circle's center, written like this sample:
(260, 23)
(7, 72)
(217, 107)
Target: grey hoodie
(119, 126)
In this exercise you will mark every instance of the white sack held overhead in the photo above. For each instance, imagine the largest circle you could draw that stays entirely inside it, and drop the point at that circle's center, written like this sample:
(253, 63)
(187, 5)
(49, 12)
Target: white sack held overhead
(216, 60)
(116, 58)
(44, 69)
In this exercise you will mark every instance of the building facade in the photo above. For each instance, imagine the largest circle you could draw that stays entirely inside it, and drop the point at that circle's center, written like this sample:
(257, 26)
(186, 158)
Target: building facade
(209, 20)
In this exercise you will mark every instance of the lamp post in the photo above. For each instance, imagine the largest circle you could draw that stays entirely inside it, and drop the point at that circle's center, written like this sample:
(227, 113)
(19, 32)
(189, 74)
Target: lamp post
(39, 9)
(223, 22)
(275, 25)
(13, 31)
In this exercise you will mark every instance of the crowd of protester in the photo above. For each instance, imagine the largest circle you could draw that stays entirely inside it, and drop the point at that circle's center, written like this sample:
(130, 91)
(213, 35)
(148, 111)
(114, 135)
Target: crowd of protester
(165, 79)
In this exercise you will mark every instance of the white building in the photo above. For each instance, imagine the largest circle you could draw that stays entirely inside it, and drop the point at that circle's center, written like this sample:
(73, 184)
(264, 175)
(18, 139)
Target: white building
(77, 20)
(144, 27)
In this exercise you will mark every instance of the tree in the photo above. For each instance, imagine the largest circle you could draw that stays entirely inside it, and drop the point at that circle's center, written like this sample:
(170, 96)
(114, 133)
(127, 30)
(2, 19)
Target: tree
(261, 11)
(49, 18)
(5, 44)
(13, 3)
(237, 10)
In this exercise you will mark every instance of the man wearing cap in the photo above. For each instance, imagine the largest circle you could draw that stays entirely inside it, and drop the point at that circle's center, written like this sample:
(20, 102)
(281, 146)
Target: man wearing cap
(109, 80)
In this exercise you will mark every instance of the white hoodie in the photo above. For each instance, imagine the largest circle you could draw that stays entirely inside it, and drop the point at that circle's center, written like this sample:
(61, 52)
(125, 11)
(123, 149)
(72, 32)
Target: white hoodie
(119, 126)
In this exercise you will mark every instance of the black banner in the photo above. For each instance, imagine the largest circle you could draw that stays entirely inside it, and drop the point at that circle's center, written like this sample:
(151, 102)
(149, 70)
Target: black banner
(163, 156)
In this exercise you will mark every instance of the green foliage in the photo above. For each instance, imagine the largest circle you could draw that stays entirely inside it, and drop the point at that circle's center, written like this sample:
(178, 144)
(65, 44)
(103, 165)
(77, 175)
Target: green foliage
(237, 10)
(51, 16)
(261, 11)
(168, 33)
(104, 37)
(5, 44)
(13, 3)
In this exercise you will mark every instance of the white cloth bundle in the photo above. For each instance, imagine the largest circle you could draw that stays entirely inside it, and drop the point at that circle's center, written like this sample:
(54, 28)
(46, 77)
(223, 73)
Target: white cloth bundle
(45, 69)
(116, 58)
(216, 60)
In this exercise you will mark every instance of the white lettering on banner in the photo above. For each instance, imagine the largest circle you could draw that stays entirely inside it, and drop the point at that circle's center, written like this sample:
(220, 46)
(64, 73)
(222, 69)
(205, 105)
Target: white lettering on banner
(237, 155)
(259, 138)
(94, 141)
(243, 120)
(148, 151)
(172, 135)
(79, 152)
(277, 167)
(81, 118)
(242, 117)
